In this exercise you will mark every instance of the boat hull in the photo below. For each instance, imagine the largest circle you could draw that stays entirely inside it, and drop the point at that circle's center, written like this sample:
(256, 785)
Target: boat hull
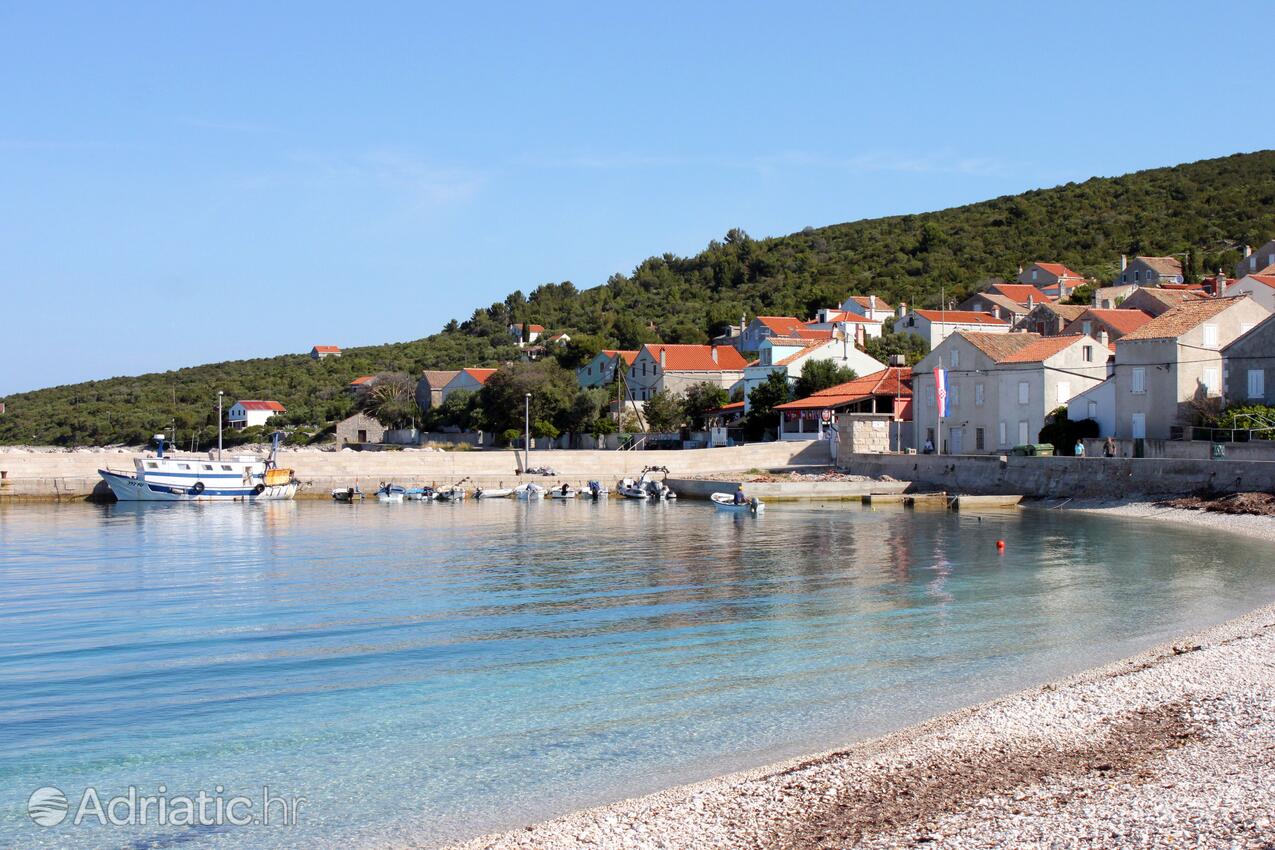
(726, 502)
(129, 488)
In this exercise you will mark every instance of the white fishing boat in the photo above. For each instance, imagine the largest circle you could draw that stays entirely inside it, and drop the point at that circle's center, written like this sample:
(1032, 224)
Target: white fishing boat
(494, 493)
(450, 494)
(563, 492)
(595, 491)
(631, 488)
(726, 502)
(161, 477)
(347, 494)
(419, 494)
(529, 492)
(391, 493)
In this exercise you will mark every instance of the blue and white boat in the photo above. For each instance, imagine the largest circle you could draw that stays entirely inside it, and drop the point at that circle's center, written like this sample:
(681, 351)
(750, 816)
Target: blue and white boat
(161, 477)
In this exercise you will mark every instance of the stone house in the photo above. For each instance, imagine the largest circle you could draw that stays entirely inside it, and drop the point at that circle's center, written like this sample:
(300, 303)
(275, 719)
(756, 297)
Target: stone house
(1155, 301)
(1054, 279)
(1108, 325)
(766, 326)
(429, 389)
(1256, 262)
(1048, 318)
(1172, 366)
(600, 371)
(1150, 271)
(674, 368)
(1001, 387)
(468, 379)
(1248, 366)
(359, 429)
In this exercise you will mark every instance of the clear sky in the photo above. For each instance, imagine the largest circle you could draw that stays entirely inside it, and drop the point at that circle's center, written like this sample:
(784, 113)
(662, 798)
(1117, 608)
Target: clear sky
(181, 184)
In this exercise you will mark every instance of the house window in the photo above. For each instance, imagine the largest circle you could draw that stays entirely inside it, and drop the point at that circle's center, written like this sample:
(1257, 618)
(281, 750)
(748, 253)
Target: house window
(1092, 410)
(1136, 275)
(1210, 336)
(955, 395)
(978, 394)
(1088, 353)
(929, 396)
(978, 440)
(1138, 380)
(1033, 274)
(1004, 435)
(1256, 383)
(956, 359)
(1024, 392)
(1024, 435)
(1209, 380)
(1064, 391)
(1087, 327)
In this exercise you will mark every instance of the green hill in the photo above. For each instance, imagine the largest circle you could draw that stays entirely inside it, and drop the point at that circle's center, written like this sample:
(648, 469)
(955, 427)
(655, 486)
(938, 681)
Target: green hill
(1208, 208)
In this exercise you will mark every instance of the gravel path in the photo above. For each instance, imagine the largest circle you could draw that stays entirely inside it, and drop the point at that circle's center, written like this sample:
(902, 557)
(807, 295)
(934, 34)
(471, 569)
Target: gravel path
(1171, 748)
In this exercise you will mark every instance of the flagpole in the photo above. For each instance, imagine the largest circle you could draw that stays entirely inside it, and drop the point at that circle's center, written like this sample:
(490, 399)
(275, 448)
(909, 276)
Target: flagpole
(938, 413)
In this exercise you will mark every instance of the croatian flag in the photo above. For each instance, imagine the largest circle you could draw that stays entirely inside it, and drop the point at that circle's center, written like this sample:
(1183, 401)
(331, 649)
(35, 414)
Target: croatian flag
(940, 391)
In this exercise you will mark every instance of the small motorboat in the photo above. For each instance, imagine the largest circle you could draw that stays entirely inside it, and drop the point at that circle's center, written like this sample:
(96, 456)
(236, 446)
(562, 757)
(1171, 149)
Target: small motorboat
(631, 489)
(494, 493)
(563, 492)
(450, 494)
(595, 491)
(726, 502)
(347, 494)
(419, 494)
(391, 493)
(529, 492)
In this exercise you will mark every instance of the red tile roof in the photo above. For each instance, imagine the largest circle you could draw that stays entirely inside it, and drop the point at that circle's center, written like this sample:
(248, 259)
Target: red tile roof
(1058, 270)
(843, 316)
(629, 356)
(479, 375)
(257, 404)
(1265, 279)
(813, 333)
(781, 325)
(1124, 321)
(535, 329)
(733, 407)
(360, 381)
(332, 349)
(960, 317)
(1019, 292)
(1180, 319)
(697, 358)
(865, 301)
(1041, 349)
(892, 381)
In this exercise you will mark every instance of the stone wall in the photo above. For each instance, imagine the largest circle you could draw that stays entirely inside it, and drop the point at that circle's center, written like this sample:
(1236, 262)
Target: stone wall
(1067, 477)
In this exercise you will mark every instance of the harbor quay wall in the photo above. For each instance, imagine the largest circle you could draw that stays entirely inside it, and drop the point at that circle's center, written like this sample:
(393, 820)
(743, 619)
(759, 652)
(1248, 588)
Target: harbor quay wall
(781, 491)
(1067, 477)
(73, 475)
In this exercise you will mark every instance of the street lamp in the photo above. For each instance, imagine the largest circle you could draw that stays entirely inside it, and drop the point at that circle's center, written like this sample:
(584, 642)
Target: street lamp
(219, 395)
(526, 439)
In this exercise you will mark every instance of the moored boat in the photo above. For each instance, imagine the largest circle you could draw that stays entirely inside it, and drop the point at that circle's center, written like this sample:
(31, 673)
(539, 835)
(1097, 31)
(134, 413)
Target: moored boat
(529, 492)
(493, 493)
(595, 491)
(391, 493)
(195, 478)
(563, 492)
(726, 502)
(347, 494)
(630, 488)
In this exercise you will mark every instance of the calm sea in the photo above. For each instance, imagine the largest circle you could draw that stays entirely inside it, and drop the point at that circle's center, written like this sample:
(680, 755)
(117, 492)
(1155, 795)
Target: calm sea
(432, 671)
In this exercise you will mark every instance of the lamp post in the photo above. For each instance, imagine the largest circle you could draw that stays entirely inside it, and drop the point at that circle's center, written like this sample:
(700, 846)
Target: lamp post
(219, 395)
(526, 439)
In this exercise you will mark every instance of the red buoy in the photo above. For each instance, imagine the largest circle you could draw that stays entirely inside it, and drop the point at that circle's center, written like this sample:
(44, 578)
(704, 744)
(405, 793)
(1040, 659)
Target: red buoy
(1000, 545)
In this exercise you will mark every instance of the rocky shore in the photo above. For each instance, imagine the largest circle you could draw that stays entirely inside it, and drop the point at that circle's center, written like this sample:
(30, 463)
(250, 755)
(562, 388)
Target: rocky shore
(1174, 747)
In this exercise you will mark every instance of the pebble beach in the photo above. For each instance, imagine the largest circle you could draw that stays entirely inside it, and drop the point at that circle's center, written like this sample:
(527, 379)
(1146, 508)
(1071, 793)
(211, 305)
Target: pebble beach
(1174, 747)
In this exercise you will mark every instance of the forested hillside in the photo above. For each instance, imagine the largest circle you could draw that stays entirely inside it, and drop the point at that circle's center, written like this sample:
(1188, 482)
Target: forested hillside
(1209, 208)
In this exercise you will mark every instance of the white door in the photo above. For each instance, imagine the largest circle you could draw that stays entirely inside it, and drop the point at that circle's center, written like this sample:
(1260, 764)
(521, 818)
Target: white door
(1138, 426)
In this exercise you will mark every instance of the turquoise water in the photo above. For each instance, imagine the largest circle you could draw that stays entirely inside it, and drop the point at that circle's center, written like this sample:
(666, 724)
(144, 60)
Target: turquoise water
(432, 671)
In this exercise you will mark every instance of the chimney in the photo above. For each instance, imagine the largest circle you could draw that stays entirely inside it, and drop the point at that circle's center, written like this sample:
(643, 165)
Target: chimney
(996, 310)
(743, 323)
(903, 309)
(1248, 250)
(898, 360)
(1102, 338)
(1124, 262)
(1020, 268)
(872, 305)
(712, 349)
(663, 357)
(860, 335)
(1031, 302)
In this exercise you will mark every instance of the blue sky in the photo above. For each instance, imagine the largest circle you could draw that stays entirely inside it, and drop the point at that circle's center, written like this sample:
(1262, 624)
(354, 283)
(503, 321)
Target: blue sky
(182, 185)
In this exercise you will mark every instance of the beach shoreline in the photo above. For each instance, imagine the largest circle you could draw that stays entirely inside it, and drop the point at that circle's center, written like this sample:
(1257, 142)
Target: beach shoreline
(1169, 746)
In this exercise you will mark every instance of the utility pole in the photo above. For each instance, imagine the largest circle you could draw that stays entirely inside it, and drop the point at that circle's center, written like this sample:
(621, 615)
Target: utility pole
(526, 439)
(219, 395)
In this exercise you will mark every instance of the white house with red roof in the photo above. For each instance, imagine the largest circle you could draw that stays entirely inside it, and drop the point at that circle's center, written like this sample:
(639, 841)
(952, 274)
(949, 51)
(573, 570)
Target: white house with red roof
(600, 371)
(321, 351)
(1259, 287)
(886, 391)
(471, 380)
(789, 355)
(934, 326)
(674, 368)
(534, 333)
(766, 326)
(1054, 279)
(860, 327)
(869, 307)
(249, 412)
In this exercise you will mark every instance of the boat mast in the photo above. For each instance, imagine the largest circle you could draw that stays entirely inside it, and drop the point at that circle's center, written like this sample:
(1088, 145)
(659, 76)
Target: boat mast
(219, 395)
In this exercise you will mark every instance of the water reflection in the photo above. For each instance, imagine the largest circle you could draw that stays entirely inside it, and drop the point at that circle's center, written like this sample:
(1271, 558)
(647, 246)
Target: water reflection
(436, 670)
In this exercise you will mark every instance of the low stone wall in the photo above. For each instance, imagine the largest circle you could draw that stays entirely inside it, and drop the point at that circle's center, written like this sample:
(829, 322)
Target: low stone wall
(54, 475)
(1067, 477)
(784, 491)
(1199, 449)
